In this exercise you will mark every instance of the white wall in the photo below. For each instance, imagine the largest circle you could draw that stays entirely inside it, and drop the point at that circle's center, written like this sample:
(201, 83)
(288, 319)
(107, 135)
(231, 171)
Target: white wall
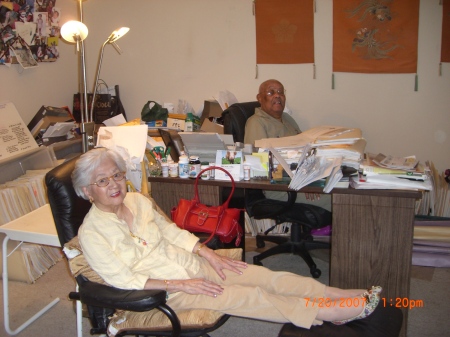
(193, 49)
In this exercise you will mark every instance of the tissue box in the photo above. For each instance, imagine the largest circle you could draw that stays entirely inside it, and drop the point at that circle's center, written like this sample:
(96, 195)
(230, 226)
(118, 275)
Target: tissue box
(232, 162)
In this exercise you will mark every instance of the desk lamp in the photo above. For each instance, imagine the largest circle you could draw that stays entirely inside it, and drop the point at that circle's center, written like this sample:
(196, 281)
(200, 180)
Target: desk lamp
(115, 35)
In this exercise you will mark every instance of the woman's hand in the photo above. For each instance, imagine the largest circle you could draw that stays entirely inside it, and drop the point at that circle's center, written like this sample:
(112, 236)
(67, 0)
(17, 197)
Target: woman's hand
(198, 286)
(219, 263)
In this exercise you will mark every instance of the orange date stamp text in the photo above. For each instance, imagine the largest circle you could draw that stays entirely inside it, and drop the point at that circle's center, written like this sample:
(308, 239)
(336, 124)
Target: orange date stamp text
(326, 302)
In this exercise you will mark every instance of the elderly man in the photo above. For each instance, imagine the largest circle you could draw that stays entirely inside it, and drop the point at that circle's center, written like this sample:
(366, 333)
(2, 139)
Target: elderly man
(270, 121)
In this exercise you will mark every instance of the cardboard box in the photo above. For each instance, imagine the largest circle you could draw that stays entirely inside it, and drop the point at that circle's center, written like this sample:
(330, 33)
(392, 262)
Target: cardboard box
(211, 108)
(183, 122)
(176, 121)
(46, 116)
(209, 126)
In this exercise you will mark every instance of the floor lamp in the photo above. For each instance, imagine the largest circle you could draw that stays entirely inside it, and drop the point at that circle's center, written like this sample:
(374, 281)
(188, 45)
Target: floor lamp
(115, 35)
(75, 32)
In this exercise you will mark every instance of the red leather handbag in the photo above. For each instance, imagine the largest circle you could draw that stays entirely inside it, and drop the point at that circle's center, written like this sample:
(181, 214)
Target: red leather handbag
(222, 221)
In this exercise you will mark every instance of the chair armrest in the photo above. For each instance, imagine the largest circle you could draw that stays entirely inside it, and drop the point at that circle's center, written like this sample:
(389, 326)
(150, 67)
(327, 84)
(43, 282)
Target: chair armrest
(100, 295)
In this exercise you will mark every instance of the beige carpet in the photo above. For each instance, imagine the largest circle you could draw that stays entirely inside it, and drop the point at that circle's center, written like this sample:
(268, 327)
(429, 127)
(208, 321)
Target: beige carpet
(427, 284)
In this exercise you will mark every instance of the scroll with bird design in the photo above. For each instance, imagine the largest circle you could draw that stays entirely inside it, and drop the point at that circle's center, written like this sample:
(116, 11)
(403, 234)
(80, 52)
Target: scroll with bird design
(375, 36)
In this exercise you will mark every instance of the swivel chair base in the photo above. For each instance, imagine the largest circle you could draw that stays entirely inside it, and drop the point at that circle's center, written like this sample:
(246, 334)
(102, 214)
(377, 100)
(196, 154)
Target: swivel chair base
(298, 244)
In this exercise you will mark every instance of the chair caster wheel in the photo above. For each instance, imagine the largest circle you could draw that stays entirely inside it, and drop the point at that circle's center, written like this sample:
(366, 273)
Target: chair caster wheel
(256, 261)
(315, 273)
(260, 243)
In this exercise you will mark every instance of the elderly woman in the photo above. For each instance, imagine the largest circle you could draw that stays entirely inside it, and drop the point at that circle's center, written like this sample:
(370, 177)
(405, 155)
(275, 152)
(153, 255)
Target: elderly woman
(131, 246)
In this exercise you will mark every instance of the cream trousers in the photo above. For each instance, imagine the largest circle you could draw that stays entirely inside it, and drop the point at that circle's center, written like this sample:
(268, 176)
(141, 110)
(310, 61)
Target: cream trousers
(258, 293)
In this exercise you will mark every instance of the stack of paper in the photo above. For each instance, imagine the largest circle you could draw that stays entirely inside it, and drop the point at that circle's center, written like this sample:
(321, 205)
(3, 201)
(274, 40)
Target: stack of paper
(388, 172)
(333, 147)
(338, 136)
(313, 168)
(260, 226)
(351, 154)
(59, 129)
(22, 195)
(318, 136)
(386, 182)
(439, 197)
(39, 258)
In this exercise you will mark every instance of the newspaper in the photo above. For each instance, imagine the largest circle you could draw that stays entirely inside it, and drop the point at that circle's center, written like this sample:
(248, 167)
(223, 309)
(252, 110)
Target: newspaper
(400, 163)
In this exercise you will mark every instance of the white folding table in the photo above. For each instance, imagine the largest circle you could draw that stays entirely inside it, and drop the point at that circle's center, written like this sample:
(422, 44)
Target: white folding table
(35, 227)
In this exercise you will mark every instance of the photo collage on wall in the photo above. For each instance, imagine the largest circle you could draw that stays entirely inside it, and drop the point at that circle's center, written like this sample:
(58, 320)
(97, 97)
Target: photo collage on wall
(29, 32)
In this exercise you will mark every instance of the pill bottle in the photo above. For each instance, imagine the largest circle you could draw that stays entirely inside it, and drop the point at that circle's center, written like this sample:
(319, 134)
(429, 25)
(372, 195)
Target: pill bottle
(212, 173)
(183, 166)
(205, 175)
(165, 169)
(194, 166)
(173, 170)
(246, 172)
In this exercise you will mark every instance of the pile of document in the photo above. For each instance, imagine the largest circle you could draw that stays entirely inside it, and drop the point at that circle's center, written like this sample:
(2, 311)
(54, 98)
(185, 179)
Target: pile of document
(22, 195)
(431, 242)
(388, 172)
(319, 153)
(435, 202)
(261, 226)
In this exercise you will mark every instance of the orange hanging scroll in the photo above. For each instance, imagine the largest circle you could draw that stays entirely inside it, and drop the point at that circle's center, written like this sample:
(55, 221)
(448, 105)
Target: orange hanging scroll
(445, 47)
(284, 31)
(375, 36)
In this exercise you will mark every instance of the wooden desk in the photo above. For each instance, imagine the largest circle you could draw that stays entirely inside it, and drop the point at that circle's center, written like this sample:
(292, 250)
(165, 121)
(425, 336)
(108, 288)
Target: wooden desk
(372, 231)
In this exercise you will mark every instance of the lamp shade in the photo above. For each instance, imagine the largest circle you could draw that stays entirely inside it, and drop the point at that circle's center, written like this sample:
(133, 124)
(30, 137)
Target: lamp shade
(73, 31)
(117, 34)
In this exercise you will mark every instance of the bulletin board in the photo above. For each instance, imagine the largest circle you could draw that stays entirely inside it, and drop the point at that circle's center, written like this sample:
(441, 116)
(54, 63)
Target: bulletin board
(29, 32)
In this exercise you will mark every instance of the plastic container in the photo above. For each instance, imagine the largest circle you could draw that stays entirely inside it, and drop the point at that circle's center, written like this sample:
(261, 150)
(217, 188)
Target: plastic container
(165, 169)
(246, 172)
(212, 173)
(173, 170)
(205, 175)
(194, 166)
(183, 166)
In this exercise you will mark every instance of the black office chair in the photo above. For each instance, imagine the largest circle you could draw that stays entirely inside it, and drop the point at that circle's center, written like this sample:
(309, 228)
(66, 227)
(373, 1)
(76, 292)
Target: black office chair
(102, 300)
(303, 217)
(235, 117)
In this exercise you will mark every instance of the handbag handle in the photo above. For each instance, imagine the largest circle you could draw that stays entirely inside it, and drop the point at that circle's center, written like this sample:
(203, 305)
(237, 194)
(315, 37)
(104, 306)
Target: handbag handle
(197, 198)
(101, 82)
